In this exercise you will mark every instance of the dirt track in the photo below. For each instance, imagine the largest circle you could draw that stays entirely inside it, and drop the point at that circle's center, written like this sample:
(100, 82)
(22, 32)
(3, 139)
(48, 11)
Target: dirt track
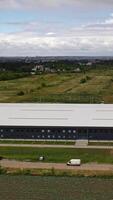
(33, 165)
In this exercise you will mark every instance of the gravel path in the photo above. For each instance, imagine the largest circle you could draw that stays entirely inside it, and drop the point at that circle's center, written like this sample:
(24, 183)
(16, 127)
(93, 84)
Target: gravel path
(38, 165)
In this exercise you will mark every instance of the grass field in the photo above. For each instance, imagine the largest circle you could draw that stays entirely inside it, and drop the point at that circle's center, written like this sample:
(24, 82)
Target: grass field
(100, 143)
(58, 155)
(55, 188)
(37, 142)
(65, 87)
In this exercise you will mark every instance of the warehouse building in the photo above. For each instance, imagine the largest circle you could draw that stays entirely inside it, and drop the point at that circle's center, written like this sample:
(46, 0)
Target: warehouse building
(56, 121)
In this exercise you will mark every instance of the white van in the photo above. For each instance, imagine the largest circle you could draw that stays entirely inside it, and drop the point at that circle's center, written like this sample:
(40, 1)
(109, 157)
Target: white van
(74, 162)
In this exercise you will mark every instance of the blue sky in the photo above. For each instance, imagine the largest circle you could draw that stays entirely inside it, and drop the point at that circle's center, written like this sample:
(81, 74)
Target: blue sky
(56, 27)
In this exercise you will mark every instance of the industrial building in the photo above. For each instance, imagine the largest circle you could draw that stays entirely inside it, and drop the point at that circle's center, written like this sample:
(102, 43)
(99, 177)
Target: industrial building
(56, 121)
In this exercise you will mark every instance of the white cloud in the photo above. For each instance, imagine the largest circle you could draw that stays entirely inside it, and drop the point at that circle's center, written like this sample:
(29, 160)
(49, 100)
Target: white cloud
(109, 21)
(53, 3)
(105, 26)
(9, 4)
(31, 44)
(36, 38)
(50, 33)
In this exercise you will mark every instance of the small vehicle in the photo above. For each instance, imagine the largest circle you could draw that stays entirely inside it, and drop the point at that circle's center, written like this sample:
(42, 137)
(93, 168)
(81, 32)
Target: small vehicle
(74, 162)
(41, 158)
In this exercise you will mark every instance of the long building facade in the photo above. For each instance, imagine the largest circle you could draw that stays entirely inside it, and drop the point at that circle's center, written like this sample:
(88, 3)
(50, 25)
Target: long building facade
(56, 121)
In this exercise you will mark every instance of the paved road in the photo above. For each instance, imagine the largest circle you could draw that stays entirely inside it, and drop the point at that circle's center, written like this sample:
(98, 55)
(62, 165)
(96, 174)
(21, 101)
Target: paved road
(37, 145)
(56, 146)
(37, 165)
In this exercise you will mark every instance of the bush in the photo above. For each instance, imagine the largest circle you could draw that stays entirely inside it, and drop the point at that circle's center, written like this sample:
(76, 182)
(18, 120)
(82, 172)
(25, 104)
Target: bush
(21, 93)
(52, 171)
(83, 80)
(44, 85)
(7, 75)
(2, 171)
(88, 77)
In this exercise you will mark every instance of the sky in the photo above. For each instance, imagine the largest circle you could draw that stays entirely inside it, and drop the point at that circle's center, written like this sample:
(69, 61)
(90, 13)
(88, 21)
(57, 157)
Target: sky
(56, 27)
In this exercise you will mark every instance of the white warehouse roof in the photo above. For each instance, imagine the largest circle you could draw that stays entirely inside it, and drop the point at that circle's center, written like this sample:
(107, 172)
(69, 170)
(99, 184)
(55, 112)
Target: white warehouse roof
(67, 115)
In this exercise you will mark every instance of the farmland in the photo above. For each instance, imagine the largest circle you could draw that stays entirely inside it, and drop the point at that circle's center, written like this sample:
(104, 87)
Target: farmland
(95, 86)
(58, 155)
(64, 188)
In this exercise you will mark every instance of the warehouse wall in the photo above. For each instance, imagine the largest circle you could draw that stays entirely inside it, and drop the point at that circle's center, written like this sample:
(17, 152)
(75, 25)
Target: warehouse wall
(56, 133)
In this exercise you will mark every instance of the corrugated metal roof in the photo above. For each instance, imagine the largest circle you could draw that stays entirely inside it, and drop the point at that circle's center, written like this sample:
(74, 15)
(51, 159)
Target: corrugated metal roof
(96, 115)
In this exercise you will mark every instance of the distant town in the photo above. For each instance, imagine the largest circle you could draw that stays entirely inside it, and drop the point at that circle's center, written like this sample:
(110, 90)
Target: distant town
(39, 65)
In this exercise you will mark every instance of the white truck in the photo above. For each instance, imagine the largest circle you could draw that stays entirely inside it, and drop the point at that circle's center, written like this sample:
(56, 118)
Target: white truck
(74, 162)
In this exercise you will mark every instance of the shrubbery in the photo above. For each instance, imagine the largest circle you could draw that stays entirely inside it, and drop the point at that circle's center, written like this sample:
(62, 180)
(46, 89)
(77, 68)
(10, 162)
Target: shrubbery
(11, 75)
(84, 80)
(2, 171)
(20, 93)
(43, 84)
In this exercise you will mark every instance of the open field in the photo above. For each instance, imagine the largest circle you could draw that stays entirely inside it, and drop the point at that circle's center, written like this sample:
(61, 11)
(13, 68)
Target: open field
(64, 87)
(58, 155)
(55, 188)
